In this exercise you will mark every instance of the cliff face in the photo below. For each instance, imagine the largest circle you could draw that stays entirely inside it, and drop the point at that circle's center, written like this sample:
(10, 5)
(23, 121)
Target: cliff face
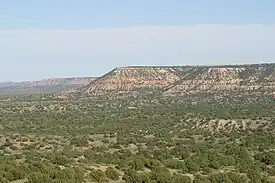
(225, 79)
(123, 80)
(185, 80)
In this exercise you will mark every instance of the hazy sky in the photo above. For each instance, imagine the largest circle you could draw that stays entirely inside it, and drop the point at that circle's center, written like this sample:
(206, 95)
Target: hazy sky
(63, 38)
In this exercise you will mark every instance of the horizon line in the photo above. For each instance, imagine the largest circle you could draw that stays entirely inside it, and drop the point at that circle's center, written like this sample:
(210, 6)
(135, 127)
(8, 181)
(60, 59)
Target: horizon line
(141, 66)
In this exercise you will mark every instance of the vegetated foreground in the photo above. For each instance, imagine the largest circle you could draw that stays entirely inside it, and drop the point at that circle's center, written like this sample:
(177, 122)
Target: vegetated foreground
(145, 125)
(196, 139)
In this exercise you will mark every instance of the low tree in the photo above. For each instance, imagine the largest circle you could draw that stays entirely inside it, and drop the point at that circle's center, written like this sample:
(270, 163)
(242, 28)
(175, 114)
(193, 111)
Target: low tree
(112, 174)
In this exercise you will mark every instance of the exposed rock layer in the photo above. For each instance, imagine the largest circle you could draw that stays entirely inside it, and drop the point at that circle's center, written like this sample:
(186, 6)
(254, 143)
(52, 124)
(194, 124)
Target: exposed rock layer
(256, 78)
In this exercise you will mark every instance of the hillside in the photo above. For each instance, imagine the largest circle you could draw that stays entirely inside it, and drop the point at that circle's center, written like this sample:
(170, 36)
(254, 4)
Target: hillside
(181, 80)
(44, 85)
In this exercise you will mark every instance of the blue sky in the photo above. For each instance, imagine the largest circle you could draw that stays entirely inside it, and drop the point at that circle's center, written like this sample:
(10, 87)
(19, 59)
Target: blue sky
(62, 38)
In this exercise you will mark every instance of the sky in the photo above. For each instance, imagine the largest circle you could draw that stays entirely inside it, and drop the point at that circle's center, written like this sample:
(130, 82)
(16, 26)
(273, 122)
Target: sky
(65, 38)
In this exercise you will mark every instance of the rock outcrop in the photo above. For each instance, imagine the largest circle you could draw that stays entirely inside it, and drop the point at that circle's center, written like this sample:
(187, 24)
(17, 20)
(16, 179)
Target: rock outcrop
(181, 80)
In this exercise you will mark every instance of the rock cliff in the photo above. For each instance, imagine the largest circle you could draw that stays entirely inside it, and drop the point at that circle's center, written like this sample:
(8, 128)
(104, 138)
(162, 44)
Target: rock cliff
(181, 80)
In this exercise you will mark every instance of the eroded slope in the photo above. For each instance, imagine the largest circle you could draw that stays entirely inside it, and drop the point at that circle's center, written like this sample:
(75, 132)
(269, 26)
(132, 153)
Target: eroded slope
(169, 80)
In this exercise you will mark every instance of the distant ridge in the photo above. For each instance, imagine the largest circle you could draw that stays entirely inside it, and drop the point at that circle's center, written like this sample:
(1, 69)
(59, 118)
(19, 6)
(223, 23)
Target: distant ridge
(45, 85)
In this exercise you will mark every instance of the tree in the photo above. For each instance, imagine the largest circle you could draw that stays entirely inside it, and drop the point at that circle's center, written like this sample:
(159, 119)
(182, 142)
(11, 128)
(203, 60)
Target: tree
(161, 174)
(138, 163)
(96, 175)
(191, 165)
(201, 179)
(254, 176)
(79, 174)
(219, 178)
(38, 177)
(112, 174)
(181, 179)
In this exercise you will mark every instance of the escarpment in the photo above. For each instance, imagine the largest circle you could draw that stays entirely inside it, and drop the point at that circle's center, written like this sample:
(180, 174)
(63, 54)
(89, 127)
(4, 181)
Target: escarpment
(181, 80)
(130, 79)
